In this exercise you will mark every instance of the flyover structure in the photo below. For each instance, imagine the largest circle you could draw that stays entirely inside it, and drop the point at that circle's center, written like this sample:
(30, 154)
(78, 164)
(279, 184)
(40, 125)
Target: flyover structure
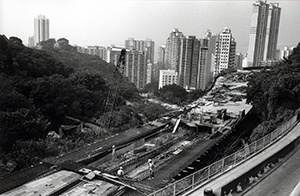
(253, 165)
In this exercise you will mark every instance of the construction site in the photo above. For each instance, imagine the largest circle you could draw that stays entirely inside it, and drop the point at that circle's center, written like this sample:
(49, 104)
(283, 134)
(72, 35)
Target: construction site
(179, 144)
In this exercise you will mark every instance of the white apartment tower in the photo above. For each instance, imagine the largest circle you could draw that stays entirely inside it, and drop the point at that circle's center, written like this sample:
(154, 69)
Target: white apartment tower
(225, 51)
(41, 29)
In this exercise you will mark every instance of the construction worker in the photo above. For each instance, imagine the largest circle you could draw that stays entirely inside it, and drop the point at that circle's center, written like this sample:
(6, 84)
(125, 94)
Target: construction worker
(120, 172)
(151, 169)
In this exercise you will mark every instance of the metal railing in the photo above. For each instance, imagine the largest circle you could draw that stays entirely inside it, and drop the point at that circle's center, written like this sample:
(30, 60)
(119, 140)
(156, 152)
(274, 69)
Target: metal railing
(191, 181)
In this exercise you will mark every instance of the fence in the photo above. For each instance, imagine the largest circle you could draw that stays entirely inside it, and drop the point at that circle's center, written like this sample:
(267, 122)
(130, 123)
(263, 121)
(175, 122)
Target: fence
(191, 181)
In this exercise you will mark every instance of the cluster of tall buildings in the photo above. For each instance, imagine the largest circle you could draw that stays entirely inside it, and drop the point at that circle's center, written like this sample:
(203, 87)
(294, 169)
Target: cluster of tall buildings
(195, 61)
(139, 59)
(189, 61)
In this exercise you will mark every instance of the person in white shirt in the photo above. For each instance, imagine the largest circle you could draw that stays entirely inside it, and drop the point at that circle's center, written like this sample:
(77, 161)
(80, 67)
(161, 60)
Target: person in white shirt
(120, 172)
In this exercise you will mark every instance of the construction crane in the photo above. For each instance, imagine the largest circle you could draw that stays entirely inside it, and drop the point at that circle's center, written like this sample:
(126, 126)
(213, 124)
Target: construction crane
(113, 93)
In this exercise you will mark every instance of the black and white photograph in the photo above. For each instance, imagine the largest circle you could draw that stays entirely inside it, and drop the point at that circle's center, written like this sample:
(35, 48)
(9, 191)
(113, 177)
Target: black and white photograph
(150, 97)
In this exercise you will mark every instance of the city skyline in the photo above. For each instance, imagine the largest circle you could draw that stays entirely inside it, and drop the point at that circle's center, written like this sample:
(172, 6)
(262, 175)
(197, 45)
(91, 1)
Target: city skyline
(104, 23)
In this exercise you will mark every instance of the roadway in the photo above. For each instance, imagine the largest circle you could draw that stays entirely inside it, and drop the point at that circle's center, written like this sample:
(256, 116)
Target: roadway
(281, 181)
(220, 181)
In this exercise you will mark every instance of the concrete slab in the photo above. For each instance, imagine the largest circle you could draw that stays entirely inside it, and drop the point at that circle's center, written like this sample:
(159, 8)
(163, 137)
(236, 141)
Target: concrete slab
(45, 185)
(96, 187)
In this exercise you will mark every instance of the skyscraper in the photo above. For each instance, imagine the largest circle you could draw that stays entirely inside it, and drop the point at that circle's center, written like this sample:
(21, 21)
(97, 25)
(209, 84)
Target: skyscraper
(263, 33)
(146, 46)
(136, 68)
(239, 60)
(173, 50)
(161, 57)
(149, 75)
(209, 41)
(149, 50)
(273, 30)
(225, 51)
(204, 67)
(194, 64)
(188, 64)
(135, 65)
(41, 29)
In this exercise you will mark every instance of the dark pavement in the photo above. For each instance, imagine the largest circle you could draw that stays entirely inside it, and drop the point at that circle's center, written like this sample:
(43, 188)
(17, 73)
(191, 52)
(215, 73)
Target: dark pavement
(281, 181)
(178, 163)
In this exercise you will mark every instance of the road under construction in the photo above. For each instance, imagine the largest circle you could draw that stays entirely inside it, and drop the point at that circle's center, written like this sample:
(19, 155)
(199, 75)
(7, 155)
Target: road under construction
(176, 152)
(180, 143)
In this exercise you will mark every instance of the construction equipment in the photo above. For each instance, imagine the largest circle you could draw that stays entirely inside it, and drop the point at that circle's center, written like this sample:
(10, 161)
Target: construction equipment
(113, 93)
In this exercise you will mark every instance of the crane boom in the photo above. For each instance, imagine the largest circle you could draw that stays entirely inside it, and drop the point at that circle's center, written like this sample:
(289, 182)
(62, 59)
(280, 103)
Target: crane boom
(114, 90)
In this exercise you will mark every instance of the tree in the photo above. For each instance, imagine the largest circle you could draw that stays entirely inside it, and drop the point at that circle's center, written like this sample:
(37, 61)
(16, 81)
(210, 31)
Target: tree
(173, 93)
(274, 92)
(47, 44)
(21, 124)
(151, 87)
(63, 43)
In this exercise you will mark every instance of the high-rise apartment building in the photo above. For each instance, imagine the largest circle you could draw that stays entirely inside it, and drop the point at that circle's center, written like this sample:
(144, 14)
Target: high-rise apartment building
(194, 66)
(225, 51)
(149, 50)
(188, 64)
(113, 54)
(136, 68)
(239, 60)
(41, 29)
(173, 50)
(100, 51)
(149, 75)
(161, 59)
(209, 42)
(133, 44)
(146, 46)
(263, 33)
(135, 65)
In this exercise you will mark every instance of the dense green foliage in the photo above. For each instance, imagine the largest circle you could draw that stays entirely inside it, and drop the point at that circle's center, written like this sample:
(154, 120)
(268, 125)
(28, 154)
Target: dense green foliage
(39, 88)
(275, 92)
(176, 94)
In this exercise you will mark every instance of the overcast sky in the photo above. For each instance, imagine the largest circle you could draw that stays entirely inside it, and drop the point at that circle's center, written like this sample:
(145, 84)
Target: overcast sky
(99, 22)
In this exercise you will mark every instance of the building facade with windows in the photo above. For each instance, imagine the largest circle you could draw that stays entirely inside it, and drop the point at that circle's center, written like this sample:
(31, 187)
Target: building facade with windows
(146, 46)
(100, 51)
(167, 77)
(225, 51)
(135, 65)
(263, 33)
(173, 50)
(136, 68)
(41, 29)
